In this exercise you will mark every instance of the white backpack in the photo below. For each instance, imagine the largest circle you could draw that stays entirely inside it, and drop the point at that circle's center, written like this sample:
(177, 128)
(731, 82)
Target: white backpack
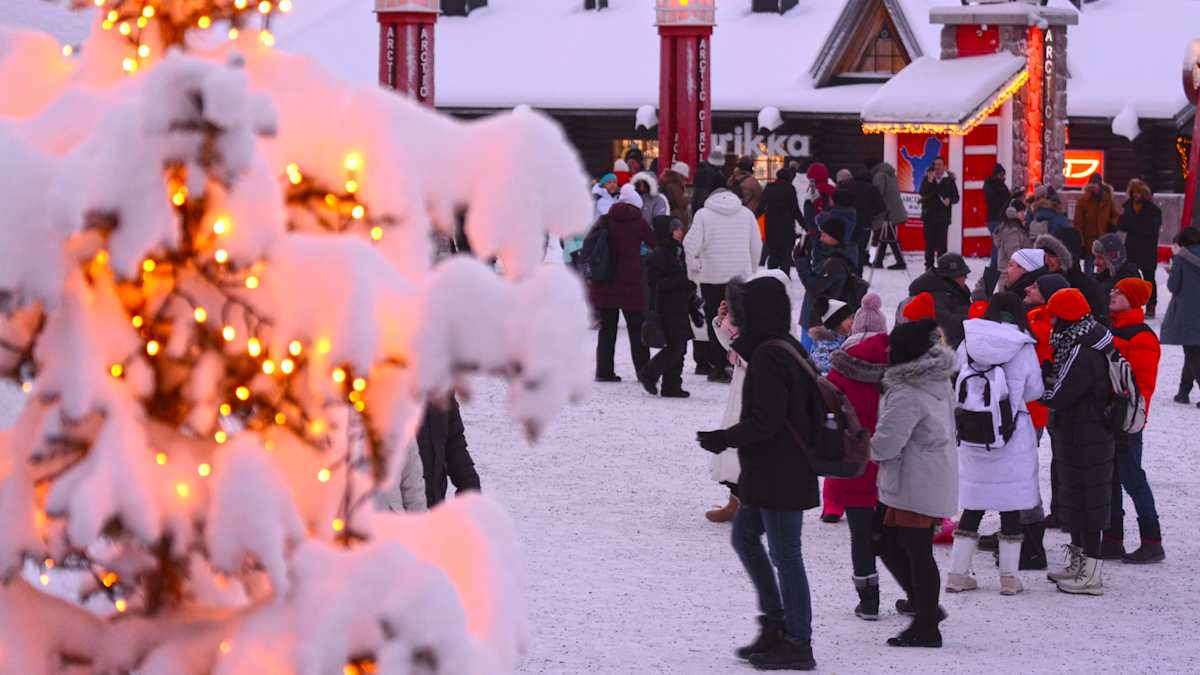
(984, 415)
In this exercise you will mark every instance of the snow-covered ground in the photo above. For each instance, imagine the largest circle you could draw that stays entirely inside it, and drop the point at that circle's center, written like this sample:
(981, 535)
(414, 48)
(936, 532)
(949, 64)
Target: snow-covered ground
(626, 576)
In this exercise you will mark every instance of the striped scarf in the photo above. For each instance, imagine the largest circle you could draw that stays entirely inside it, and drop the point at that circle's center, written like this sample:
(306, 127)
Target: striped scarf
(1062, 342)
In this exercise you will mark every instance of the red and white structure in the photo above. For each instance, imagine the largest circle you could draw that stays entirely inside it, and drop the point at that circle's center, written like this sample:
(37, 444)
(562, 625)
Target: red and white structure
(998, 94)
(685, 80)
(406, 46)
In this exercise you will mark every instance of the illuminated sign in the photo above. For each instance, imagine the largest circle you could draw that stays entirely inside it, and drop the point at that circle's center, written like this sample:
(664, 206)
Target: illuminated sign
(1080, 165)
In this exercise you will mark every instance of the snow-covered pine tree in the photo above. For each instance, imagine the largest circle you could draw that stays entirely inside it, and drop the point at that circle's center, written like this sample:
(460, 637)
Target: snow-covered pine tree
(209, 262)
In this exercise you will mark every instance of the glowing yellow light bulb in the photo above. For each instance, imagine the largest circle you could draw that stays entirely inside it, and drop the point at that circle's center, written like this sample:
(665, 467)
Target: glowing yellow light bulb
(137, 321)
(200, 314)
(148, 265)
(268, 367)
(242, 393)
(338, 524)
(142, 22)
(324, 475)
(220, 436)
(285, 6)
(109, 579)
(204, 470)
(26, 387)
(99, 3)
(220, 226)
(266, 37)
(240, 4)
(116, 370)
(121, 605)
(68, 50)
(180, 197)
(153, 348)
(160, 458)
(316, 427)
(294, 348)
(101, 257)
(359, 384)
(228, 333)
(287, 366)
(352, 186)
(44, 579)
(124, 28)
(112, 16)
(358, 212)
(360, 406)
(204, 22)
(129, 64)
(269, 445)
(182, 490)
(280, 418)
(252, 282)
(148, 11)
(353, 161)
(339, 375)
(143, 51)
(221, 256)
(225, 647)
(225, 409)
(254, 347)
(264, 7)
(376, 233)
(355, 396)
(233, 33)
(49, 563)
(293, 173)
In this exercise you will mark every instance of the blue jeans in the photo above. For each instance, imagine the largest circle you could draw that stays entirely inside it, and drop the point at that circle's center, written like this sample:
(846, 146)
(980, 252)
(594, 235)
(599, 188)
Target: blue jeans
(992, 226)
(1131, 477)
(787, 602)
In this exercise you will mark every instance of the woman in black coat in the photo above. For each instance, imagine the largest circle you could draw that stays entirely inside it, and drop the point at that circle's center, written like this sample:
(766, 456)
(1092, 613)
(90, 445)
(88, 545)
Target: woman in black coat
(1141, 221)
(442, 442)
(782, 210)
(671, 296)
(1078, 392)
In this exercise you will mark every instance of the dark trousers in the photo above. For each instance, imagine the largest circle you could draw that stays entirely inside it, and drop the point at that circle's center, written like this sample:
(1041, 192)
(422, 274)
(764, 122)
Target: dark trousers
(1010, 521)
(887, 238)
(779, 257)
(1148, 270)
(1129, 475)
(787, 602)
(862, 540)
(713, 295)
(606, 343)
(762, 259)
(667, 364)
(907, 552)
(936, 237)
(1191, 369)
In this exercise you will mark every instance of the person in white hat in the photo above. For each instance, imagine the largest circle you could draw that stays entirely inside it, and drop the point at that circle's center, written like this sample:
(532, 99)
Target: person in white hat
(833, 330)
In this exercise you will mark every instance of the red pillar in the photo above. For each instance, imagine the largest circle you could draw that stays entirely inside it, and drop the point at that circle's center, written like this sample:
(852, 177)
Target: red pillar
(685, 95)
(406, 40)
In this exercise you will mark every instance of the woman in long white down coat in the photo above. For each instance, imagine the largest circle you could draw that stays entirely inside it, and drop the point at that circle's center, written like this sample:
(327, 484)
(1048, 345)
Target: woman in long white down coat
(1003, 479)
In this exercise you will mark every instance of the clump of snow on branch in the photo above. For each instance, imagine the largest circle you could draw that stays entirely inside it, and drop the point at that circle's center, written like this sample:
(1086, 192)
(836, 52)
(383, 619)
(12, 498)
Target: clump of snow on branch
(154, 269)
(1126, 123)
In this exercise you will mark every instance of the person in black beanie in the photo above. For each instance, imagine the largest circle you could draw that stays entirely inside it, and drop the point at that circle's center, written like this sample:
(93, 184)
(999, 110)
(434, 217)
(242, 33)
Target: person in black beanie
(914, 445)
(777, 483)
(830, 278)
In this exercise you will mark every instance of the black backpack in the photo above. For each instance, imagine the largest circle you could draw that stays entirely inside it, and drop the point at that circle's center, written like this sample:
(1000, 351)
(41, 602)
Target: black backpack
(595, 258)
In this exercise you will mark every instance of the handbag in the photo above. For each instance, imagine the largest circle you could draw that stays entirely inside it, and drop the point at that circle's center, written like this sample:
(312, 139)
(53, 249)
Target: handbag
(653, 334)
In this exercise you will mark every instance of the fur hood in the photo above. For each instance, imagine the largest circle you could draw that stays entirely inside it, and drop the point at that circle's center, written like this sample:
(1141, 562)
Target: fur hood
(820, 333)
(937, 366)
(857, 369)
(1059, 249)
(647, 178)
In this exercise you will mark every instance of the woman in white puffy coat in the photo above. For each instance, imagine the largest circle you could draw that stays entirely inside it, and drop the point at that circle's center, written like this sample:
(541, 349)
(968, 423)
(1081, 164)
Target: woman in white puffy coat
(1004, 478)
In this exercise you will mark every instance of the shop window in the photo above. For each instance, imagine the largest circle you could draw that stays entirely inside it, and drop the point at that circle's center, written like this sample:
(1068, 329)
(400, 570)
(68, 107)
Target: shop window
(874, 51)
(649, 148)
(884, 54)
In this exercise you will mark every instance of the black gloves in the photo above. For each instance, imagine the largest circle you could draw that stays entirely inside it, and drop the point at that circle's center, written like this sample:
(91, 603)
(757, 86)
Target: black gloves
(713, 441)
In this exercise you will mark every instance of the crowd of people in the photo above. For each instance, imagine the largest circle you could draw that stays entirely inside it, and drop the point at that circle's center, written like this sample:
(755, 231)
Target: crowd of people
(955, 398)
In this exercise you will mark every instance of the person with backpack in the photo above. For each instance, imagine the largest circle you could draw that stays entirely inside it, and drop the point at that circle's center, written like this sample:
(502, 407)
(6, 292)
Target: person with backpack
(745, 184)
(777, 482)
(857, 369)
(918, 471)
(618, 289)
(1181, 323)
(780, 211)
(670, 297)
(1141, 222)
(826, 271)
(722, 243)
(998, 373)
(1078, 392)
(946, 282)
(1139, 345)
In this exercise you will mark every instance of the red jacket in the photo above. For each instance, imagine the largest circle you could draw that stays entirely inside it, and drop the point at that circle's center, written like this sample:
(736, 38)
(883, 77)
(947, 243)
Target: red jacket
(627, 231)
(854, 377)
(1142, 351)
(1041, 325)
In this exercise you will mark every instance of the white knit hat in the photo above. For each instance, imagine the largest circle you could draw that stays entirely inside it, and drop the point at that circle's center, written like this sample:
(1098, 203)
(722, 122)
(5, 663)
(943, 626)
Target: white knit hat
(682, 169)
(629, 195)
(1030, 259)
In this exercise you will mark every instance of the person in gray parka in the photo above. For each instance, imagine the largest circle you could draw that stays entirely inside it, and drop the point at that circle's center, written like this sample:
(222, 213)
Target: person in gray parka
(1181, 324)
(914, 445)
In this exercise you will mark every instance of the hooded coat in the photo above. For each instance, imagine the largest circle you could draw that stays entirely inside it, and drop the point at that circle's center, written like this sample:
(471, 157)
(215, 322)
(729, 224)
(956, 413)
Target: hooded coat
(1181, 324)
(996, 195)
(1095, 216)
(1140, 349)
(1011, 236)
(1083, 444)
(819, 195)
(603, 199)
(1087, 285)
(708, 179)
(748, 188)
(723, 241)
(673, 186)
(858, 371)
(781, 210)
(883, 176)
(868, 202)
(778, 404)
(653, 203)
(914, 437)
(1005, 478)
(670, 290)
(626, 234)
(1141, 228)
(951, 303)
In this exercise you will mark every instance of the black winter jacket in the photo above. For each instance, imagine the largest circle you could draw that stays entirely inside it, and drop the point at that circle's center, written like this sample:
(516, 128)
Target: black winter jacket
(829, 281)
(951, 303)
(442, 443)
(670, 291)
(868, 204)
(1142, 230)
(997, 196)
(1083, 445)
(935, 212)
(708, 179)
(782, 210)
(776, 473)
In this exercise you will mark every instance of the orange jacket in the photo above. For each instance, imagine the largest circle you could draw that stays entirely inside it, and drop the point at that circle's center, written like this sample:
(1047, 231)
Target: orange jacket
(1041, 326)
(1142, 351)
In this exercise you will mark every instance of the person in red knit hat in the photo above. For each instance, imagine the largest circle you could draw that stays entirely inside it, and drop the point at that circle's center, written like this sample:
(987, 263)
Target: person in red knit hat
(920, 307)
(1139, 345)
(1078, 391)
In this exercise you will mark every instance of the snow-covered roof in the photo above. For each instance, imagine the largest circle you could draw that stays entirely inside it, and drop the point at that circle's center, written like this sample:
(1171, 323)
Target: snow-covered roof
(931, 91)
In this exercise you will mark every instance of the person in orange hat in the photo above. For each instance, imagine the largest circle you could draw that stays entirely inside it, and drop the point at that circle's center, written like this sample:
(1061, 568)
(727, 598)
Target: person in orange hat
(1139, 345)
(920, 307)
(1078, 391)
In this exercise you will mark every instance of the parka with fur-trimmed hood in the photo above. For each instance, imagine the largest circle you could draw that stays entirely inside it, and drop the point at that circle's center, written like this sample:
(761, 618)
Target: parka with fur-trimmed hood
(653, 204)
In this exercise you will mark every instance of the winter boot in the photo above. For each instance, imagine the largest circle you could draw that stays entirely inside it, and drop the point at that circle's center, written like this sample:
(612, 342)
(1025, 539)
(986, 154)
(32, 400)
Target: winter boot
(918, 636)
(1073, 558)
(1089, 580)
(720, 376)
(724, 514)
(904, 607)
(1033, 551)
(1151, 550)
(1010, 554)
(1112, 547)
(1183, 398)
(787, 654)
(868, 597)
(769, 635)
(989, 542)
(651, 386)
(675, 393)
(959, 578)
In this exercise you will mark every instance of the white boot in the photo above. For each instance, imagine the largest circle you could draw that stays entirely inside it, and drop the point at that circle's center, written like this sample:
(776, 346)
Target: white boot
(959, 578)
(1073, 559)
(1010, 556)
(1089, 580)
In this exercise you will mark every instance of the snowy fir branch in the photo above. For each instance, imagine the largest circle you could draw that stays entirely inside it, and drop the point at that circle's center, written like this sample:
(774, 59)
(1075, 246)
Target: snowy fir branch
(225, 310)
